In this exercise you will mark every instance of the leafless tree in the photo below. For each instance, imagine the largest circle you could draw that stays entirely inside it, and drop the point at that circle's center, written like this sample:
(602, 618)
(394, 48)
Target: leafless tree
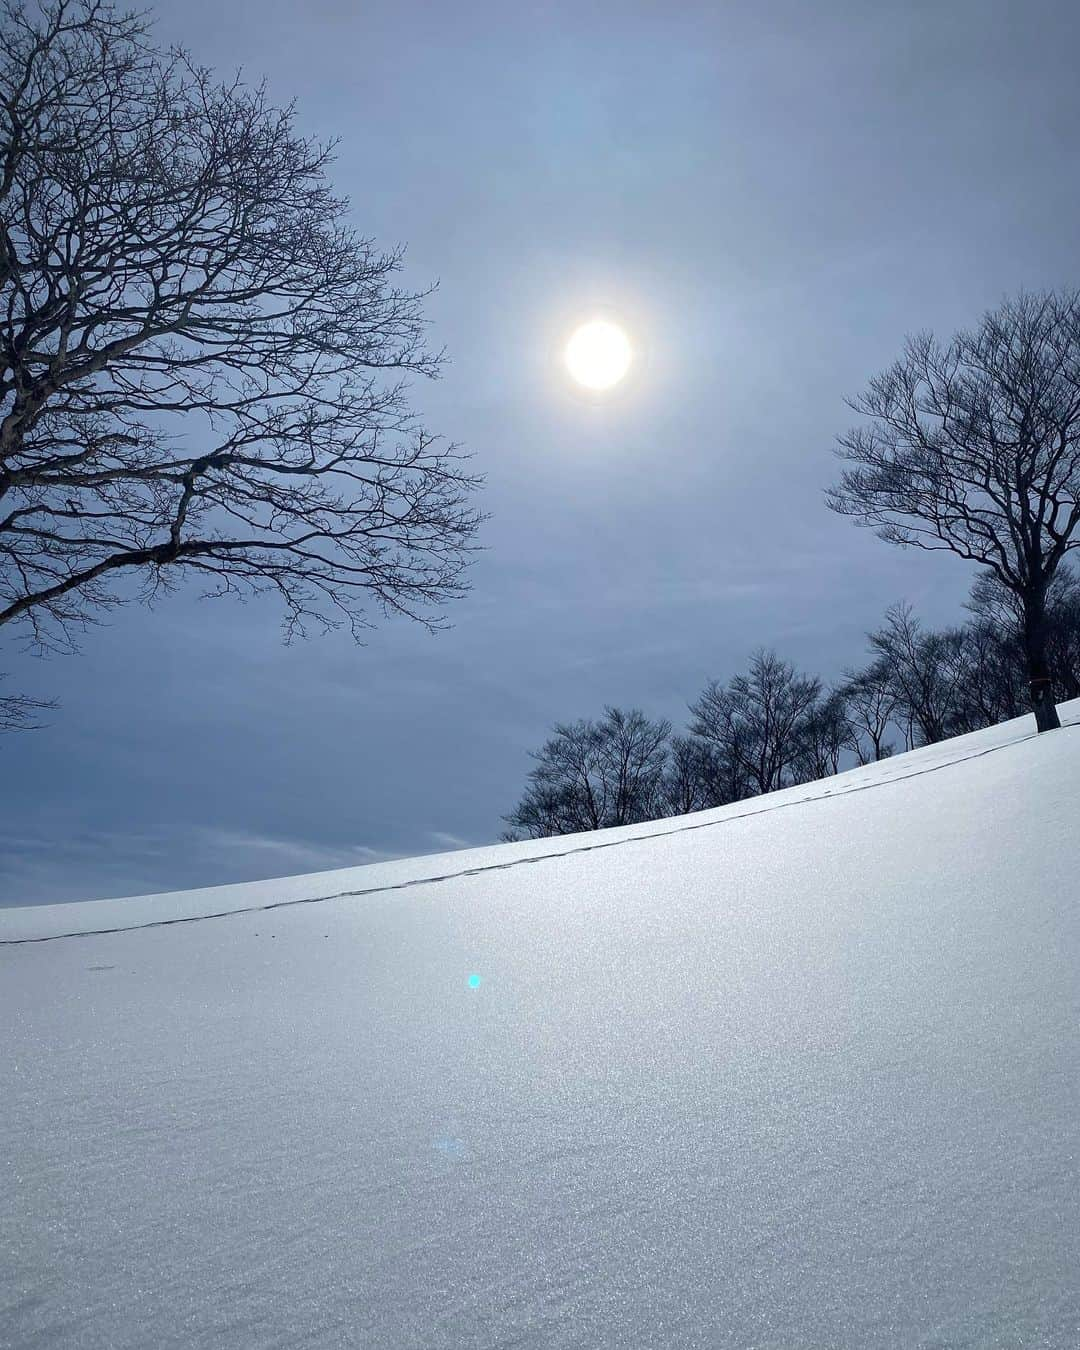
(754, 721)
(696, 778)
(1063, 645)
(870, 704)
(996, 609)
(991, 677)
(201, 364)
(591, 775)
(974, 446)
(924, 674)
(823, 736)
(20, 712)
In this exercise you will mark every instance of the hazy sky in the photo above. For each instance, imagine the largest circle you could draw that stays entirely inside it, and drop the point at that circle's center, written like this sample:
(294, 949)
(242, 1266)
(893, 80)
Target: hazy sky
(771, 196)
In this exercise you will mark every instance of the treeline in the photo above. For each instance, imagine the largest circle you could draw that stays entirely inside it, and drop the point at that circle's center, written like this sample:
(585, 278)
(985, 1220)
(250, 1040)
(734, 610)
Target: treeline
(773, 726)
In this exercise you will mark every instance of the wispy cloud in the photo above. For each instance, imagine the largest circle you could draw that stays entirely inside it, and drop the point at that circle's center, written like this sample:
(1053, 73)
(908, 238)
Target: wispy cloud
(84, 865)
(448, 841)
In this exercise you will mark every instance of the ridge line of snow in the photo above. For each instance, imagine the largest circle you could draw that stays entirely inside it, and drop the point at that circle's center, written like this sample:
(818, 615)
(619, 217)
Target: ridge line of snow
(409, 883)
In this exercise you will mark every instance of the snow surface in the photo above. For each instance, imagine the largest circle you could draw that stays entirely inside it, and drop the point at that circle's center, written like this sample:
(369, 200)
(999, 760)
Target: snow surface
(800, 1072)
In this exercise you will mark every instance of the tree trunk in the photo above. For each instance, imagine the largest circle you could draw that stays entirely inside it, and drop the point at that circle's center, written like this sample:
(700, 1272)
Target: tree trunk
(1040, 684)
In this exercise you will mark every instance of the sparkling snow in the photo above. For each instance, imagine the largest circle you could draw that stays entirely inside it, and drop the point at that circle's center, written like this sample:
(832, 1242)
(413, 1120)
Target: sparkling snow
(800, 1072)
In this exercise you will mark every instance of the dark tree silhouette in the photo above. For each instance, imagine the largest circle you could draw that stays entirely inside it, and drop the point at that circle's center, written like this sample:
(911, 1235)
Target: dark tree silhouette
(20, 712)
(201, 364)
(992, 682)
(755, 721)
(592, 775)
(998, 614)
(822, 737)
(772, 727)
(924, 672)
(974, 446)
(870, 704)
(696, 778)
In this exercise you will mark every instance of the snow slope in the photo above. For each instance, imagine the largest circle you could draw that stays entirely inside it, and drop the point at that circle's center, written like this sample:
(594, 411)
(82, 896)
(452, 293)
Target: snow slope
(800, 1072)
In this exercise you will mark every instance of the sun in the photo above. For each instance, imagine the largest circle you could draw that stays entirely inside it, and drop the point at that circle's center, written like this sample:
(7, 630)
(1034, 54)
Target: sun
(598, 354)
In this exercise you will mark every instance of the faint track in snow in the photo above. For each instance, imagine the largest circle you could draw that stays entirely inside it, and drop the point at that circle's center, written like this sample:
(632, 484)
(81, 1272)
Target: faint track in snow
(827, 795)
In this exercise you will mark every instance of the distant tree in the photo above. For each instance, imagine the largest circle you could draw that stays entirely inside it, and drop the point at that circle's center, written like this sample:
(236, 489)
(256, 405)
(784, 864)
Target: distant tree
(991, 684)
(633, 753)
(974, 446)
(934, 684)
(1063, 644)
(870, 702)
(995, 609)
(695, 778)
(923, 674)
(755, 721)
(823, 736)
(726, 743)
(200, 362)
(591, 775)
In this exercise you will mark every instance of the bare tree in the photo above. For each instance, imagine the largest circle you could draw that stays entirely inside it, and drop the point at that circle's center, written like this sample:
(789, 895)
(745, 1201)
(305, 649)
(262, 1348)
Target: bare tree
(870, 703)
(974, 446)
(991, 680)
(633, 753)
(593, 775)
(565, 792)
(1063, 644)
(19, 712)
(924, 673)
(201, 364)
(755, 721)
(822, 737)
(996, 608)
(696, 778)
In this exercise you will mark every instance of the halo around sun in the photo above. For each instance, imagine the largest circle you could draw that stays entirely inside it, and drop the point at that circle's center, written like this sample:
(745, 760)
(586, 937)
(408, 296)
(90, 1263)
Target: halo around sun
(598, 354)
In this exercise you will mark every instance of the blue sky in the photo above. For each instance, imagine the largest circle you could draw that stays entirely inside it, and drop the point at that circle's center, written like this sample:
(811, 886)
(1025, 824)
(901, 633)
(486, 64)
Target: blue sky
(770, 196)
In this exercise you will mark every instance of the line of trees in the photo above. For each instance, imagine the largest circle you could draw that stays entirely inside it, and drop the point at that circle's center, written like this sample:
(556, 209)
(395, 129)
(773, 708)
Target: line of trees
(773, 726)
(971, 445)
(203, 376)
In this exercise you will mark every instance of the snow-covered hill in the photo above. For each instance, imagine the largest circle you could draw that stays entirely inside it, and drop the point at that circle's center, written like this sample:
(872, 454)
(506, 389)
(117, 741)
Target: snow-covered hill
(800, 1072)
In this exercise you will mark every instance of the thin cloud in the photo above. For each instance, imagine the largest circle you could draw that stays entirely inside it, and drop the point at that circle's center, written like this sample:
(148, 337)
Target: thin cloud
(55, 868)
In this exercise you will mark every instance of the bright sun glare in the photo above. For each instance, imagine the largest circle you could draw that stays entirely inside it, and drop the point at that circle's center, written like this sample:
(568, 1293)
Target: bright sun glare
(598, 354)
